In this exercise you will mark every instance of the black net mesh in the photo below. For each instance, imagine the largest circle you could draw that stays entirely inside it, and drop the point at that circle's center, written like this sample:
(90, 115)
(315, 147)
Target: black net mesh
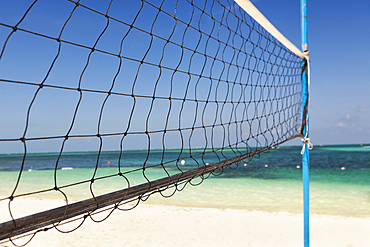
(193, 87)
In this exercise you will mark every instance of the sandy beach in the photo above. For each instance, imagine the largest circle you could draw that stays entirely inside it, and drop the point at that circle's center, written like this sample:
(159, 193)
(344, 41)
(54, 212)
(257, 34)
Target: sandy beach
(159, 225)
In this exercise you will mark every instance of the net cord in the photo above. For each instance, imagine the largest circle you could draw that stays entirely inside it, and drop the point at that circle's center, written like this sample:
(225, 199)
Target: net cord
(305, 120)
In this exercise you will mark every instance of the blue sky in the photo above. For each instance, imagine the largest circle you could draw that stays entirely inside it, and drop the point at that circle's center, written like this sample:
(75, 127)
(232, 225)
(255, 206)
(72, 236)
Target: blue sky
(337, 41)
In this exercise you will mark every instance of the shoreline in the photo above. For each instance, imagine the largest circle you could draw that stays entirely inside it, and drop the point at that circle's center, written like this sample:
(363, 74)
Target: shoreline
(38, 205)
(165, 225)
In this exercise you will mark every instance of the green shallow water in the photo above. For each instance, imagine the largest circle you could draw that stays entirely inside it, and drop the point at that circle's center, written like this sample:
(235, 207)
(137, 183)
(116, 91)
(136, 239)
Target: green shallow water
(274, 196)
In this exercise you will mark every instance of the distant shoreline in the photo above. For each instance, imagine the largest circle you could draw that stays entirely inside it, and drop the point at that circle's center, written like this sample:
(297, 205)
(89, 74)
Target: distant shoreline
(81, 152)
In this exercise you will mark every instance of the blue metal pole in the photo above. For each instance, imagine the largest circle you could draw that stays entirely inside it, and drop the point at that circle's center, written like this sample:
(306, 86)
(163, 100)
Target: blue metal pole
(304, 25)
(305, 157)
(306, 200)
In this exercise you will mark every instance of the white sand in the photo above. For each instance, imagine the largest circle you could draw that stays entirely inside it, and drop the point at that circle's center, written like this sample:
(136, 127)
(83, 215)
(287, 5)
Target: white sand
(156, 225)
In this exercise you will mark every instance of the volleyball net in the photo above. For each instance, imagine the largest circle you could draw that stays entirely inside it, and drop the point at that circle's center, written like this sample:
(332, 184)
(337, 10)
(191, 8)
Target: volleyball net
(198, 86)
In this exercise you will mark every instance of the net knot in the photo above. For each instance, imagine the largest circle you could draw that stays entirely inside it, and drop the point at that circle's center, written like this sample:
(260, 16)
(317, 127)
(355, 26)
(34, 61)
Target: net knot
(306, 140)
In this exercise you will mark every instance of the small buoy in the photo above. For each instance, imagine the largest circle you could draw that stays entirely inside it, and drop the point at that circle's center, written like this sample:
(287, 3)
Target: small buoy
(342, 168)
(266, 165)
(67, 168)
(245, 164)
(182, 162)
(108, 162)
(207, 164)
(30, 170)
(298, 167)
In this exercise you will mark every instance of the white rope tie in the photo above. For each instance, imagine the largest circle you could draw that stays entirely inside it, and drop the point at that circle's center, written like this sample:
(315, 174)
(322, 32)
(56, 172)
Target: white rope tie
(309, 144)
(306, 55)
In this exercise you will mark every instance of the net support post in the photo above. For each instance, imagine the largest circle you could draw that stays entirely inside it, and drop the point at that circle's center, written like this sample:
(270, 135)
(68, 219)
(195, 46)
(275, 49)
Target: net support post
(306, 195)
(305, 156)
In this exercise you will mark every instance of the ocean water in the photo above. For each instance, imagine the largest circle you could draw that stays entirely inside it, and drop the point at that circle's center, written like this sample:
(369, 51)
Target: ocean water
(339, 178)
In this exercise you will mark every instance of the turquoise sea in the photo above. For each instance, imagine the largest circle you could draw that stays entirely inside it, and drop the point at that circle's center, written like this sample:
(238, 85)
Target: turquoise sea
(339, 175)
